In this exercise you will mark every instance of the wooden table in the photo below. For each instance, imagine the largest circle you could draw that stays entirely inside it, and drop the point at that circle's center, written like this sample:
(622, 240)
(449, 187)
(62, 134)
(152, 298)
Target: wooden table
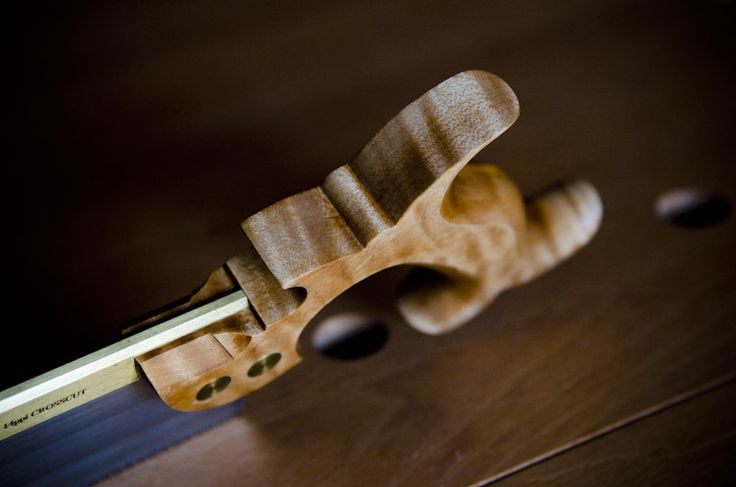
(144, 134)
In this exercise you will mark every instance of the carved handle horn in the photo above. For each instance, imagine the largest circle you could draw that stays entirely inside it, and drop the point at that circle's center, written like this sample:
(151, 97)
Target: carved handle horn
(407, 198)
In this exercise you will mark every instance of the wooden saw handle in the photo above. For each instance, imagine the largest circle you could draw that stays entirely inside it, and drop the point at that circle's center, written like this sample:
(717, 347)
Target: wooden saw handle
(407, 198)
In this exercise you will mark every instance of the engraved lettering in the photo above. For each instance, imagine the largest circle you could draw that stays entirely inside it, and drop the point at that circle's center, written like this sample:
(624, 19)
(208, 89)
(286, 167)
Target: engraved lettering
(58, 402)
(15, 422)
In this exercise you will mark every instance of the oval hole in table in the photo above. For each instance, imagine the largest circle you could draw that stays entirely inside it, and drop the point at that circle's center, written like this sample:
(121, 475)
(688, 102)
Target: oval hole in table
(692, 207)
(349, 336)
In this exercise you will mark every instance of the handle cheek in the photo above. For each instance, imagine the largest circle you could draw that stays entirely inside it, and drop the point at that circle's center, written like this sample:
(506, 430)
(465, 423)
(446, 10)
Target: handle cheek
(498, 242)
(476, 231)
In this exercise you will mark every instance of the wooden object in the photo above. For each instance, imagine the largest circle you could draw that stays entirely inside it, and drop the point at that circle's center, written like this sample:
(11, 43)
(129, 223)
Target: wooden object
(184, 120)
(407, 198)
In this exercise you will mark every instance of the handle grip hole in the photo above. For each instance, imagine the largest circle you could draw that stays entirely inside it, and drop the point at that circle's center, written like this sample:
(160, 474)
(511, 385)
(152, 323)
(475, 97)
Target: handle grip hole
(692, 208)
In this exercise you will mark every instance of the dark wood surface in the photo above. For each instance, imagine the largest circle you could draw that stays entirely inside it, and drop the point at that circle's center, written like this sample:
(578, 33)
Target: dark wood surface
(143, 134)
(690, 444)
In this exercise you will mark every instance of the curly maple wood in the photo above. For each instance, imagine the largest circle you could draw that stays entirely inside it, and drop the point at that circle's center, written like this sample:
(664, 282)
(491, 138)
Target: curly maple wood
(407, 198)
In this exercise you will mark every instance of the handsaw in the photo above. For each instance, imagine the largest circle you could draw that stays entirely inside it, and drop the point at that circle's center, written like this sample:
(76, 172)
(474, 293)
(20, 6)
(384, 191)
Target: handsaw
(408, 197)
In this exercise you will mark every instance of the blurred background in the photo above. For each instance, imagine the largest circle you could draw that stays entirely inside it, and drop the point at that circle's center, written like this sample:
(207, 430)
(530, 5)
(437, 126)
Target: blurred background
(142, 133)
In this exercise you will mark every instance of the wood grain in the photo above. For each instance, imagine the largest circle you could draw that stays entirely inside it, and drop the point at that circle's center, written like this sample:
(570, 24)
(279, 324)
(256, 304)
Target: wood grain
(132, 120)
(406, 198)
(519, 381)
(694, 441)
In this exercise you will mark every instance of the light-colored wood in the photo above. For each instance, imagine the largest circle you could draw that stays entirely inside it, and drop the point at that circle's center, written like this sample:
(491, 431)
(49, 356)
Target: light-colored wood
(407, 198)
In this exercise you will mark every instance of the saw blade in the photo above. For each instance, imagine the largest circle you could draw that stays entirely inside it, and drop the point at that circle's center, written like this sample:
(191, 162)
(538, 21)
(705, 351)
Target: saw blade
(101, 437)
(104, 371)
